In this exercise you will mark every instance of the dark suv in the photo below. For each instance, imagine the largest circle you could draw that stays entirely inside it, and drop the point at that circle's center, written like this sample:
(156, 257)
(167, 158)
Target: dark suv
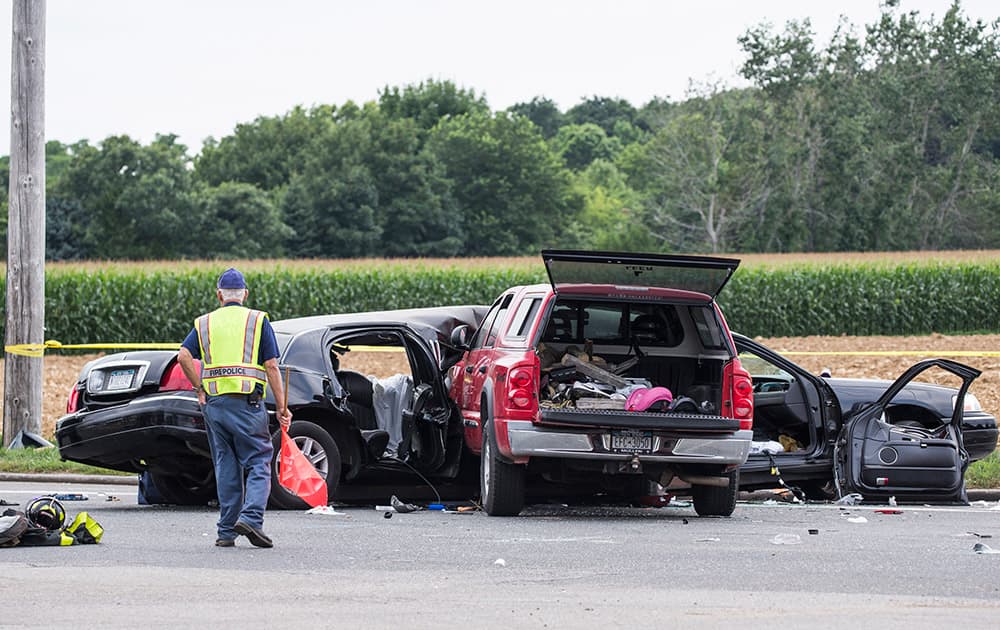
(619, 373)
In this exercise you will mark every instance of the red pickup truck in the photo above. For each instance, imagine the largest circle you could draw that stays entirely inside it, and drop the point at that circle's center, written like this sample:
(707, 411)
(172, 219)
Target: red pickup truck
(620, 372)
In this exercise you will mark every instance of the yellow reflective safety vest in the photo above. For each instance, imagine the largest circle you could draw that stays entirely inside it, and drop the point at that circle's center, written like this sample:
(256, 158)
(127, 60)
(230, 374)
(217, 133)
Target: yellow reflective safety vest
(229, 338)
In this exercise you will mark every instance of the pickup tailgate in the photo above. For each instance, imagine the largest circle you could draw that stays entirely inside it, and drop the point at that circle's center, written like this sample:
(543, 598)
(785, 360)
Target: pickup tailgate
(649, 421)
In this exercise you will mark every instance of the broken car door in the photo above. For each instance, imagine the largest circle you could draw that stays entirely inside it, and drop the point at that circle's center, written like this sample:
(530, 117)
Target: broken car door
(879, 460)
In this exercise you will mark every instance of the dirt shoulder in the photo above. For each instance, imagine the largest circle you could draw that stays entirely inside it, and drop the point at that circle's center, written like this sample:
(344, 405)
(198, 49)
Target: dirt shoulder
(61, 372)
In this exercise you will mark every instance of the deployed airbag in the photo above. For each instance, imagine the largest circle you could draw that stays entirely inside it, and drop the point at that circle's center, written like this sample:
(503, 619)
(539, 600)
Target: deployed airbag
(389, 397)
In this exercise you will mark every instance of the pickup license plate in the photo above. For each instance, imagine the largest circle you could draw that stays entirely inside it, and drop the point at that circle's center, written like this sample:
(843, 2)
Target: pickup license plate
(632, 441)
(120, 379)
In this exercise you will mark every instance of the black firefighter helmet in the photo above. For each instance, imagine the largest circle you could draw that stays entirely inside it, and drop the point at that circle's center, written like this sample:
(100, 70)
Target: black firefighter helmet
(46, 512)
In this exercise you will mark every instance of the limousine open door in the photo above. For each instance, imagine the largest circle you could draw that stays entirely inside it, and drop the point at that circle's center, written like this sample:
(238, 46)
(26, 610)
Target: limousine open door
(880, 460)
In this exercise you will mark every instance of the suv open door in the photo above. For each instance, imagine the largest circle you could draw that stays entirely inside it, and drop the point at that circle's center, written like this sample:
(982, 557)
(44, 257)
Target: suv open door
(879, 460)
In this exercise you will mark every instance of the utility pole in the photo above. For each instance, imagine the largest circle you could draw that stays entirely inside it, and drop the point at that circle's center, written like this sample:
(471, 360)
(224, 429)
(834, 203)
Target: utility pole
(22, 405)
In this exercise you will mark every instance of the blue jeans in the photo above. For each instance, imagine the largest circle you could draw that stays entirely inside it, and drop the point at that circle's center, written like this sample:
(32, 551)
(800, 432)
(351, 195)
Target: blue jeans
(241, 445)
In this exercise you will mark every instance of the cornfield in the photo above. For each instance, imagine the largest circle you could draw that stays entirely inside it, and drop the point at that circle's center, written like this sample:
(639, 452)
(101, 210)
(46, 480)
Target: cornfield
(769, 295)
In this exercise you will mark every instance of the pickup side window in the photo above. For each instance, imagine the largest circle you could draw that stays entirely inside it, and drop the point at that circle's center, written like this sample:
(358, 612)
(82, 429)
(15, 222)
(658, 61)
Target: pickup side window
(524, 316)
(498, 322)
(708, 327)
(486, 335)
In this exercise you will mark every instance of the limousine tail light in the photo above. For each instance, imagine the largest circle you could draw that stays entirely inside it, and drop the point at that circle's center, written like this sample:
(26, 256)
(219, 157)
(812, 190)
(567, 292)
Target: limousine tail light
(737, 394)
(175, 380)
(73, 403)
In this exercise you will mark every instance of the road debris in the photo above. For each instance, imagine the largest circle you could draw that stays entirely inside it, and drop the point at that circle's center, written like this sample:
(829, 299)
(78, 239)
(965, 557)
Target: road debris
(499, 562)
(983, 548)
(851, 499)
(325, 509)
(711, 540)
(888, 511)
(786, 539)
(75, 496)
(401, 507)
(857, 519)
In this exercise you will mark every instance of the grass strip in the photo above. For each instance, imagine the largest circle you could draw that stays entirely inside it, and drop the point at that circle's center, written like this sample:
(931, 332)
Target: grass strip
(46, 460)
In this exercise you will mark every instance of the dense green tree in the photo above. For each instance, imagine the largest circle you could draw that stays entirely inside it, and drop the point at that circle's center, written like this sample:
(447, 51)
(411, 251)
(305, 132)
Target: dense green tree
(512, 193)
(138, 197)
(66, 226)
(604, 112)
(369, 188)
(655, 114)
(239, 221)
(543, 112)
(703, 176)
(331, 203)
(265, 152)
(430, 101)
(611, 217)
(934, 86)
(579, 145)
(880, 143)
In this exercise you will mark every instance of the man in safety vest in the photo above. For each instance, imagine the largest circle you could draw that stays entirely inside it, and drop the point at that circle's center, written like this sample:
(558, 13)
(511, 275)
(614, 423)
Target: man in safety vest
(239, 358)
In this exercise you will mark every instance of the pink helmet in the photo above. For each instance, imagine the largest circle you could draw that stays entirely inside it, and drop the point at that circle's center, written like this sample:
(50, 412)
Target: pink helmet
(644, 398)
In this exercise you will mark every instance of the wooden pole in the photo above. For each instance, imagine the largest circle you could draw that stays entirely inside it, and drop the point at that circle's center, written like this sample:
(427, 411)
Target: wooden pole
(22, 408)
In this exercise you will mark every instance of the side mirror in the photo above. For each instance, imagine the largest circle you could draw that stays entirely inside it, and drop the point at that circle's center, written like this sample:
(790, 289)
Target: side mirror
(460, 337)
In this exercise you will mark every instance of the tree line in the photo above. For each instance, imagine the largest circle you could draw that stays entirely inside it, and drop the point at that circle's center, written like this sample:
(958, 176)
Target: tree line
(883, 138)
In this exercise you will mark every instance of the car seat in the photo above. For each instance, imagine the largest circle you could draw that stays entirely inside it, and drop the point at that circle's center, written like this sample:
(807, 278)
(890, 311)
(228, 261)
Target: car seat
(647, 329)
(359, 399)
(560, 326)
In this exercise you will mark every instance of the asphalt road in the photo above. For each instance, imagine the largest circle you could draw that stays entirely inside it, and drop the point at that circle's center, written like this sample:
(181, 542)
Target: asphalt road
(555, 567)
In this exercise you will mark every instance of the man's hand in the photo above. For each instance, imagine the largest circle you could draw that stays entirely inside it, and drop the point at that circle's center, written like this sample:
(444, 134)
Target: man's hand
(280, 395)
(284, 417)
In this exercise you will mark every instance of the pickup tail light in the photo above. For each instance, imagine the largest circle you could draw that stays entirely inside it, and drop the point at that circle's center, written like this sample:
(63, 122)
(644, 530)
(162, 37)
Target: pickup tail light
(174, 380)
(737, 396)
(521, 399)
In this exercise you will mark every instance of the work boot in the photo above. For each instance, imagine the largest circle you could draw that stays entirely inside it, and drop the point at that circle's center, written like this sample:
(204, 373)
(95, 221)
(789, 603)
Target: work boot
(256, 536)
(225, 542)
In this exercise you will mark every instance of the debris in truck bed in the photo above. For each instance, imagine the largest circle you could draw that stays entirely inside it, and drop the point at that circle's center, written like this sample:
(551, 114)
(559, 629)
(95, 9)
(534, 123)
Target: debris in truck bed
(595, 372)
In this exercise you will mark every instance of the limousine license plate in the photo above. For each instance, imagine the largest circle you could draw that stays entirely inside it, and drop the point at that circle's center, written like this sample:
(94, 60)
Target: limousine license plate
(632, 441)
(120, 379)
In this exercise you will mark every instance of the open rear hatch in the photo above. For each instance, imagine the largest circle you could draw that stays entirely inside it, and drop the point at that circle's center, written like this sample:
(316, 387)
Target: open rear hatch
(695, 277)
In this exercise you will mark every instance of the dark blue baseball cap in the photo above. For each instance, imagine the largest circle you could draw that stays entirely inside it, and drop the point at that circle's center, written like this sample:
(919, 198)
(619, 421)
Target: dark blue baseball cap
(231, 279)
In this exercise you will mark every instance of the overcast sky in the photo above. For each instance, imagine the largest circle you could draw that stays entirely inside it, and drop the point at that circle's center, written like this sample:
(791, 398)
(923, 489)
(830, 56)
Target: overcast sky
(196, 68)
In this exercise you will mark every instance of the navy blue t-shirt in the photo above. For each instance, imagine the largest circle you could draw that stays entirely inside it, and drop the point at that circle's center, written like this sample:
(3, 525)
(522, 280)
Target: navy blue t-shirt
(268, 344)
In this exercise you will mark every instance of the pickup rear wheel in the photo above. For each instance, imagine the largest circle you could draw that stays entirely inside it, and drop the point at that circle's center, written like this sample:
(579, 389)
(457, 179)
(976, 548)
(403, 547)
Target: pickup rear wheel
(715, 500)
(320, 448)
(501, 484)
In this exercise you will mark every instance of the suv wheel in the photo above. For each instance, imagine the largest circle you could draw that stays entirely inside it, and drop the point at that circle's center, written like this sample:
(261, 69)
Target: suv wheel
(501, 484)
(320, 448)
(715, 500)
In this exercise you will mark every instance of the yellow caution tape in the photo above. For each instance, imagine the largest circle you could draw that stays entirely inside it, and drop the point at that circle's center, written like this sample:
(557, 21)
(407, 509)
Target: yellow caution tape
(895, 353)
(377, 348)
(38, 349)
